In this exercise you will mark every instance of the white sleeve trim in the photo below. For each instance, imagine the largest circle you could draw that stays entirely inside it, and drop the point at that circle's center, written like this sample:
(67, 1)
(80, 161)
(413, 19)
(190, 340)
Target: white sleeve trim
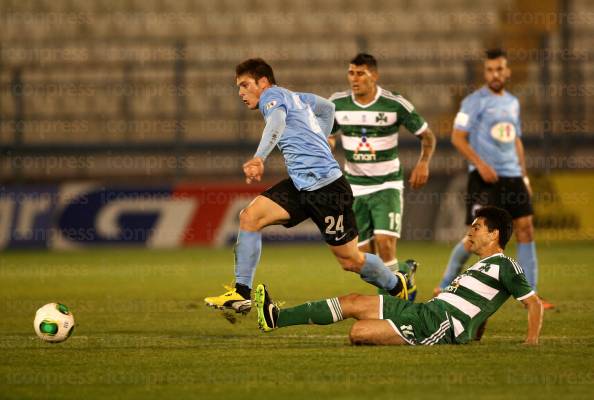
(380, 314)
(526, 296)
(421, 129)
(387, 233)
(461, 119)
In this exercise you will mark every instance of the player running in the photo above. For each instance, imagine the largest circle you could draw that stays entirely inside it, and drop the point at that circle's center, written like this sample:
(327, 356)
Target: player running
(369, 118)
(487, 132)
(453, 317)
(299, 124)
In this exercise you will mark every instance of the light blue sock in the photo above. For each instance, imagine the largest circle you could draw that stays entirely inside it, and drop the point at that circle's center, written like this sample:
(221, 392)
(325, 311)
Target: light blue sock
(457, 260)
(526, 255)
(247, 255)
(374, 271)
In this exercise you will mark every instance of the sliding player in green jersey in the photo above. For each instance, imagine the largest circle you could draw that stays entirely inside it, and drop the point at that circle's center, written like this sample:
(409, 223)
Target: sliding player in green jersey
(453, 317)
(369, 118)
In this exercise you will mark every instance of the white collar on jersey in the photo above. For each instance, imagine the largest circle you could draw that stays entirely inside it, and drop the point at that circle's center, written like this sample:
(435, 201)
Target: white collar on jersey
(377, 96)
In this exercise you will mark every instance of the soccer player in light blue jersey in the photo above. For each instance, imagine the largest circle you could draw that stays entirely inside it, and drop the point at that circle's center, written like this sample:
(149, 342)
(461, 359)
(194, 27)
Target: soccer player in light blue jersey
(299, 125)
(487, 132)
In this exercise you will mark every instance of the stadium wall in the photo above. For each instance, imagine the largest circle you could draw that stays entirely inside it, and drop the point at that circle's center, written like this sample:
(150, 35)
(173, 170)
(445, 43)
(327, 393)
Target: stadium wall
(73, 216)
(79, 215)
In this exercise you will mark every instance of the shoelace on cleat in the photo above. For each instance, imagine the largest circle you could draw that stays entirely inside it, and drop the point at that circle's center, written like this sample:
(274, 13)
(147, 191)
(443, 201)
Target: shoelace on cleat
(230, 290)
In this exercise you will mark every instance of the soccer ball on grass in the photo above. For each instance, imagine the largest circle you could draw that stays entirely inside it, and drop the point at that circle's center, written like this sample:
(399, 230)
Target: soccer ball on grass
(54, 323)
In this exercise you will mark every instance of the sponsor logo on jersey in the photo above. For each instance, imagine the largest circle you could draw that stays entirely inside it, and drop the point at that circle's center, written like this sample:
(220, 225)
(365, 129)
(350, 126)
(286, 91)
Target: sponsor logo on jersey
(381, 117)
(503, 132)
(364, 150)
(364, 157)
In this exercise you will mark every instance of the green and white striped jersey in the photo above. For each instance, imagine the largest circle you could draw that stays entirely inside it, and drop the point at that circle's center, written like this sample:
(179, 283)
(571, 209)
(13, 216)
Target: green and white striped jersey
(370, 138)
(477, 293)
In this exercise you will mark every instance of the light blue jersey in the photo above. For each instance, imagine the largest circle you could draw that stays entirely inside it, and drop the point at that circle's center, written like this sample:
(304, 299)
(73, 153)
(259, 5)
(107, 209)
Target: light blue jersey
(493, 123)
(303, 143)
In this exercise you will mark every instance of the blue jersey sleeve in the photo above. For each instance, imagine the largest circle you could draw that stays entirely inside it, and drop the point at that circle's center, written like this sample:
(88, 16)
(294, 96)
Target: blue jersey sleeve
(468, 115)
(275, 125)
(324, 111)
(272, 99)
(309, 99)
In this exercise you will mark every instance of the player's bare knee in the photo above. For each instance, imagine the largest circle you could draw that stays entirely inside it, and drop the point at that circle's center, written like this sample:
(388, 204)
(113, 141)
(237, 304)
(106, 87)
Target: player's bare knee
(358, 306)
(348, 301)
(248, 220)
(525, 234)
(525, 237)
(354, 336)
(386, 249)
(359, 335)
(366, 247)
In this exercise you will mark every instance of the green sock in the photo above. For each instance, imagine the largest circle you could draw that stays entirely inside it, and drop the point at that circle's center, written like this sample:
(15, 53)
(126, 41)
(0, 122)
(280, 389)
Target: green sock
(321, 312)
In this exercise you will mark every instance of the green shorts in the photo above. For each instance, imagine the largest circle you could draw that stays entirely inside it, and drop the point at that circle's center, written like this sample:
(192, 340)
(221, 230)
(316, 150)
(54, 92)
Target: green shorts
(417, 323)
(378, 212)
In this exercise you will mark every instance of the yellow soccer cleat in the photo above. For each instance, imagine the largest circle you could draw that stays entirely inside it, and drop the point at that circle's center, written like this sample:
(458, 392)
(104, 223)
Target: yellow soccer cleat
(409, 269)
(230, 300)
(406, 275)
(403, 294)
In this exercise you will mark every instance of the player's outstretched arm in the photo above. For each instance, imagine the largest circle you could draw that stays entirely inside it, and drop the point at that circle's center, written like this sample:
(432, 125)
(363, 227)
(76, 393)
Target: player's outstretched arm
(420, 174)
(535, 311)
(460, 142)
(275, 126)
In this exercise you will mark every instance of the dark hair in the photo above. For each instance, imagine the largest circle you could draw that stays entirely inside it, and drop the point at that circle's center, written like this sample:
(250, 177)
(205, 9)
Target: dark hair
(365, 59)
(256, 68)
(497, 218)
(492, 54)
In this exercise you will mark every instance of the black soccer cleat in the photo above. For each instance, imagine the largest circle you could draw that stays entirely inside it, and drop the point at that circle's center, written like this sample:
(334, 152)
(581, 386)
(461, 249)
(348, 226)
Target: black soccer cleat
(267, 310)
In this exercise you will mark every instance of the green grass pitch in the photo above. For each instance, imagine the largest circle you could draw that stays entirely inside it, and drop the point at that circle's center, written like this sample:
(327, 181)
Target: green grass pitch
(143, 331)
